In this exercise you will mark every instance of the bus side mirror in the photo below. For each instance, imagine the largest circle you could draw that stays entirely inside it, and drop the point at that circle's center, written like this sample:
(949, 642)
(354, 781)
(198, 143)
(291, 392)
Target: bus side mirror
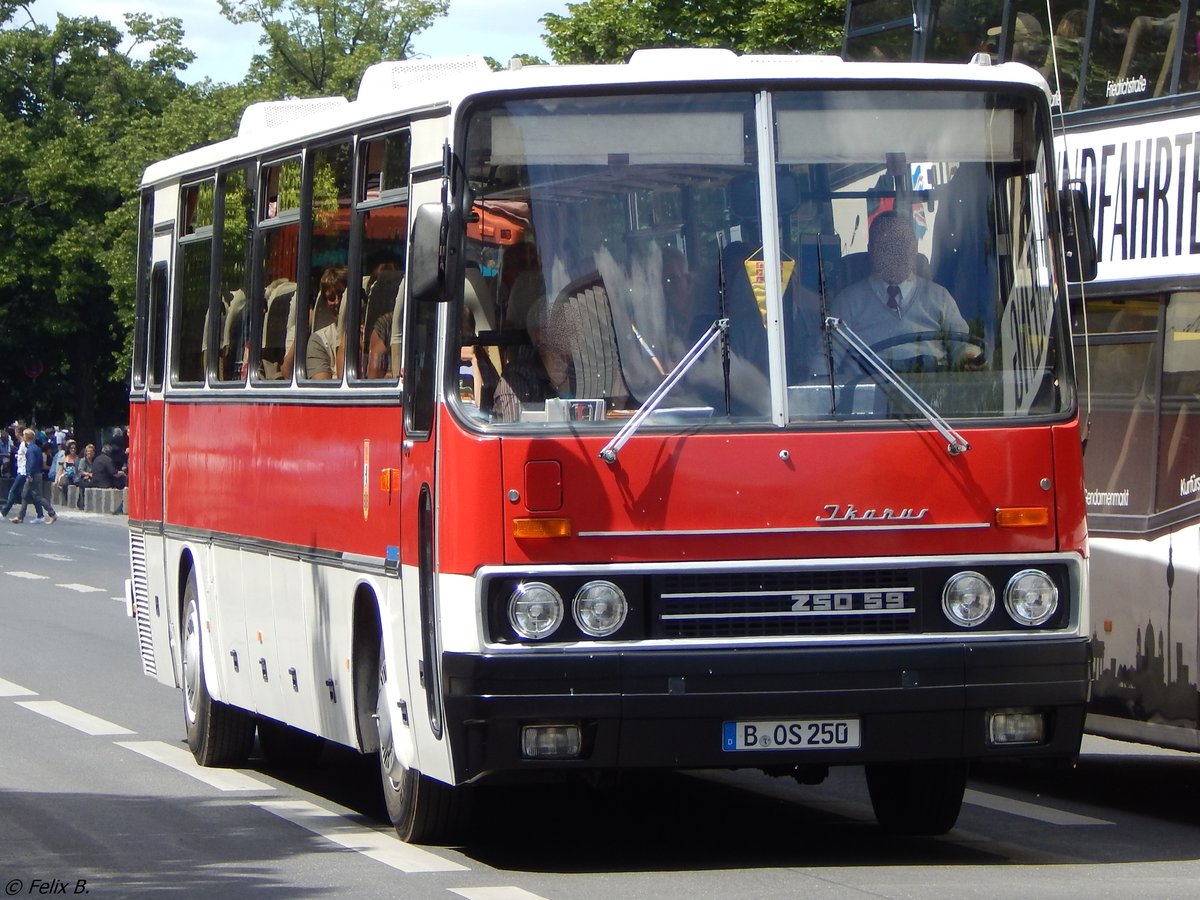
(1079, 241)
(432, 253)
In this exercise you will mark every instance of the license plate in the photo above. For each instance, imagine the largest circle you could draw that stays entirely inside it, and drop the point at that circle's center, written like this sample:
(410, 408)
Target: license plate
(792, 734)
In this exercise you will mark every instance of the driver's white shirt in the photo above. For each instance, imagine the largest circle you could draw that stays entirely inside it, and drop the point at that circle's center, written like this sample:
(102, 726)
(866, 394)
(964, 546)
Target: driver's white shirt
(924, 307)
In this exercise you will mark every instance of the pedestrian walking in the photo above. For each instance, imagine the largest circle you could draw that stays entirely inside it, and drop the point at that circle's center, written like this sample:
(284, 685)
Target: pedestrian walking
(28, 484)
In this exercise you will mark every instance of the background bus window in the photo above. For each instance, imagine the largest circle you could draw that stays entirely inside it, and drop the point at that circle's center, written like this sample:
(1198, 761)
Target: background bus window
(1132, 52)
(375, 354)
(279, 229)
(195, 264)
(234, 288)
(880, 30)
(1069, 28)
(1189, 72)
(1123, 406)
(959, 32)
(1179, 424)
(323, 333)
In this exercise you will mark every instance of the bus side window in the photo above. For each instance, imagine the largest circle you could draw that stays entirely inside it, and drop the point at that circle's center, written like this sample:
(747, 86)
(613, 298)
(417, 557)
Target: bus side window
(195, 264)
(232, 333)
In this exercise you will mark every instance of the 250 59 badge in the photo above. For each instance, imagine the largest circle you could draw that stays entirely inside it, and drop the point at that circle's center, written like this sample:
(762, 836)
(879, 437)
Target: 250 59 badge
(792, 734)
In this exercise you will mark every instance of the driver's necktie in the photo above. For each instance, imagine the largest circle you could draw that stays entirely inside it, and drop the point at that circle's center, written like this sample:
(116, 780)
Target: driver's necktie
(893, 298)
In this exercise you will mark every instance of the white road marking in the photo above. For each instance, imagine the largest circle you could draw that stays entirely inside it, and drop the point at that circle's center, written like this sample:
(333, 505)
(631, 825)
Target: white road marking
(379, 845)
(82, 588)
(182, 761)
(75, 718)
(495, 893)
(53, 557)
(8, 689)
(1029, 810)
(32, 576)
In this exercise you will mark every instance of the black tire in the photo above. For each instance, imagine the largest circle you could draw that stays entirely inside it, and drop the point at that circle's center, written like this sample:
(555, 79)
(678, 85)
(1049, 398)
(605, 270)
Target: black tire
(917, 798)
(285, 746)
(217, 734)
(423, 811)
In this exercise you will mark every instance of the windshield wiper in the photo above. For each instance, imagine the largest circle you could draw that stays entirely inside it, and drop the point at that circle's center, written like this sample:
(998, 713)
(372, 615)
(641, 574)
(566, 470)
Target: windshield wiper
(613, 447)
(956, 443)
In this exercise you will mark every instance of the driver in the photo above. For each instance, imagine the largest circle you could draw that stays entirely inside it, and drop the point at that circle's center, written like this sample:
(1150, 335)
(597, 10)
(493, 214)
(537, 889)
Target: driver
(894, 301)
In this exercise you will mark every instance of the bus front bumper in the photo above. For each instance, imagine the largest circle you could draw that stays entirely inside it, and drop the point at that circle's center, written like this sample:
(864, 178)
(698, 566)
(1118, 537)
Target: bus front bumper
(670, 709)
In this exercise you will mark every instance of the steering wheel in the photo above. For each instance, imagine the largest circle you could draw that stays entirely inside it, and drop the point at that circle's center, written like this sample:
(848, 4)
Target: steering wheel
(918, 337)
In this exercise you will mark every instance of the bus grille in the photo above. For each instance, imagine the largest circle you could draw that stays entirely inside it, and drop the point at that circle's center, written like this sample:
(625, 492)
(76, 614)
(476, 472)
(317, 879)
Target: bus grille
(141, 601)
(739, 604)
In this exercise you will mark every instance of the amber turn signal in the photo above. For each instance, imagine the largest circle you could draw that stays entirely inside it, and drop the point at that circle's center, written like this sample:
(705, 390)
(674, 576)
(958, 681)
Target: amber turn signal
(1022, 516)
(541, 528)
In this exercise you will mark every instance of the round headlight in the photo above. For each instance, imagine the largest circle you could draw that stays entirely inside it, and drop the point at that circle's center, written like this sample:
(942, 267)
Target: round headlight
(968, 599)
(535, 610)
(1031, 597)
(600, 608)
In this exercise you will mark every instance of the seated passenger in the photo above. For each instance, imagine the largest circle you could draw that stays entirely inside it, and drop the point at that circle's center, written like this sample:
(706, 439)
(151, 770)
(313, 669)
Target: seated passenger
(894, 301)
(323, 358)
(526, 378)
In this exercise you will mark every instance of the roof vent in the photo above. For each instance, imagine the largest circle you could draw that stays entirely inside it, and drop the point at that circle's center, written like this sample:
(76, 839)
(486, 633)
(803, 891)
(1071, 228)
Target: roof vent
(386, 78)
(269, 114)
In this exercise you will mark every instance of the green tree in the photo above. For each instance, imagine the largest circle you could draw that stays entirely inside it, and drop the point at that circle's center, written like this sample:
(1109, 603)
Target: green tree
(80, 118)
(322, 47)
(606, 31)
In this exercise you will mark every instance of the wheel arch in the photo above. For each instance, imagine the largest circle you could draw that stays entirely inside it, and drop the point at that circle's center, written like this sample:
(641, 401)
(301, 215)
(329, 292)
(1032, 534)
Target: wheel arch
(367, 629)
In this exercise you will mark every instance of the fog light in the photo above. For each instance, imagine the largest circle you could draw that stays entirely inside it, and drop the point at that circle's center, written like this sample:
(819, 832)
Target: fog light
(550, 741)
(1016, 726)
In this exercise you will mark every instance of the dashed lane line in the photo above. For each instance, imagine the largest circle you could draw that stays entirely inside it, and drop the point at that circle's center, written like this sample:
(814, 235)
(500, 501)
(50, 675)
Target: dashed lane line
(75, 718)
(1029, 810)
(495, 893)
(182, 761)
(8, 689)
(53, 557)
(29, 576)
(81, 588)
(378, 845)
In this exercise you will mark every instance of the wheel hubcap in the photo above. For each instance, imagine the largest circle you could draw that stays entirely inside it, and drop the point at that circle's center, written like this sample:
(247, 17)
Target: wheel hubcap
(191, 663)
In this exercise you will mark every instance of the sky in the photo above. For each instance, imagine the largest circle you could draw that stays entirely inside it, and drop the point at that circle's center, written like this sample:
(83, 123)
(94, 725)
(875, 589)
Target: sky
(223, 50)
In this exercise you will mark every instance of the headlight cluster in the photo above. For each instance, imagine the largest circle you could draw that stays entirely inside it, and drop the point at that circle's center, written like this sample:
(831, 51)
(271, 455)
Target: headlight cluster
(1030, 597)
(536, 610)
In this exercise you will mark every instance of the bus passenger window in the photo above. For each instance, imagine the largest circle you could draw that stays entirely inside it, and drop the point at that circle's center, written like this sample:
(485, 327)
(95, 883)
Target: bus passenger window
(1179, 414)
(232, 331)
(320, 340)
(1122, 405)
(193, 291)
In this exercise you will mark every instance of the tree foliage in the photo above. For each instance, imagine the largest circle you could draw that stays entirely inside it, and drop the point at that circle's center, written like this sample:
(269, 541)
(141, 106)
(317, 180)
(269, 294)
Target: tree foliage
(606, 31)
(322, 47)
(80, 118)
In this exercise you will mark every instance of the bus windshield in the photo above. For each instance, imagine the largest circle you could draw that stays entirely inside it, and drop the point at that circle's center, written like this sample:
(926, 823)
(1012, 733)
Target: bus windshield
(608, 235)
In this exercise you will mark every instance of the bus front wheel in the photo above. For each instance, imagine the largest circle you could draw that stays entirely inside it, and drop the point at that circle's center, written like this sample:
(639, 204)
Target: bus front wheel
(921, 798)
(217, 734)
(423, 811)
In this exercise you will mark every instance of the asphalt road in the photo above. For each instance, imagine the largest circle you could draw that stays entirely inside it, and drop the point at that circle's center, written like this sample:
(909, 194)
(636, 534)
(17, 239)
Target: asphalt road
(99, 795)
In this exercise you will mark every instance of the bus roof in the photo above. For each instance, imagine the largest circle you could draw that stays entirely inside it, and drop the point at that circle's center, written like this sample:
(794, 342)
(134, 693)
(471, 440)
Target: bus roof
(425, 85)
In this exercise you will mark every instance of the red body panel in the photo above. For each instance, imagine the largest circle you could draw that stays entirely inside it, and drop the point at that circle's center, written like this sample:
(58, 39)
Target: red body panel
(307, 476)
(310, 476)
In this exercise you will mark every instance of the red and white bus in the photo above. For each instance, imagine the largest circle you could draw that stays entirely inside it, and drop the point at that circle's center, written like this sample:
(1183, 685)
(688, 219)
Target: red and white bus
(1125, 84)
(505, 425)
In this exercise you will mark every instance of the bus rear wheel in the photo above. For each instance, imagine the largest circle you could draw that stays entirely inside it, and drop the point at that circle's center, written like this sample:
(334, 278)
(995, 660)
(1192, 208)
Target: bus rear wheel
(922, 798)
(217, 734)
(423, 811)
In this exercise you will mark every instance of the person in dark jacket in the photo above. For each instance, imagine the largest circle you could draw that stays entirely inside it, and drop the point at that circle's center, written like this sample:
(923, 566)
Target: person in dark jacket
(105, 474)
